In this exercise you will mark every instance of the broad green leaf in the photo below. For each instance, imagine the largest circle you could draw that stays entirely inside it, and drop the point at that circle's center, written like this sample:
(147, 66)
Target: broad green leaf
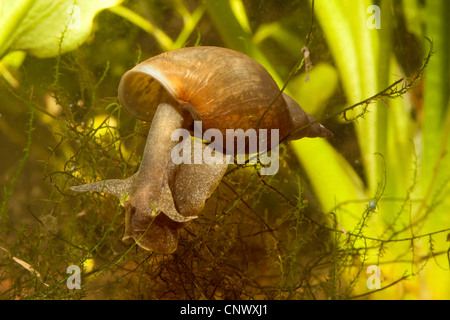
(414, 17)
(334, 181)
(46, 28)
(436, 85)
(355, 47)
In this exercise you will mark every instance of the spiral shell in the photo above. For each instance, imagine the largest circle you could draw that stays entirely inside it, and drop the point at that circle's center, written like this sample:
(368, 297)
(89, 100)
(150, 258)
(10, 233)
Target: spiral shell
(223, 88)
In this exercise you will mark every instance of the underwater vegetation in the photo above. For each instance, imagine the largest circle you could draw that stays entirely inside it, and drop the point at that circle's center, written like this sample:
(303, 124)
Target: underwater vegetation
(363, 214)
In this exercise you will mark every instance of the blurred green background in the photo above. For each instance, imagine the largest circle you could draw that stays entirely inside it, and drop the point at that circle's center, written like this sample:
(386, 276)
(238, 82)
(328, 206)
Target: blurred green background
(374, 194)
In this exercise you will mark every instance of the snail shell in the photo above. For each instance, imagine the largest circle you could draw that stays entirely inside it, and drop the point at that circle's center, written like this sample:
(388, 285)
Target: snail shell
(223, 88)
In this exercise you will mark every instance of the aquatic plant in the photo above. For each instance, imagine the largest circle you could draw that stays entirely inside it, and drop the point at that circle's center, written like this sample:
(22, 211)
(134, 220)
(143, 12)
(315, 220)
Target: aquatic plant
(375, 194)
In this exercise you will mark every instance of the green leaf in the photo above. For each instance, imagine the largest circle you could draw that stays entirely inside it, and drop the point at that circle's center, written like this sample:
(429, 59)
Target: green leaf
(354, 48)
(313, 94)
(46, 28)
(437, 86)
(164, 41)
(285, 38)
(335, 183)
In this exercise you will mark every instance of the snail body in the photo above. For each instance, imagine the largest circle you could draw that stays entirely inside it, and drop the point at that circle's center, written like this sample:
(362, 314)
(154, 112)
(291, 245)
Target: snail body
(223, 89)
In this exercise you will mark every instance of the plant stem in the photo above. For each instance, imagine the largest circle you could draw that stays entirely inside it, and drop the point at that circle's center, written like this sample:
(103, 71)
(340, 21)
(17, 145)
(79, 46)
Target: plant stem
(164, 41)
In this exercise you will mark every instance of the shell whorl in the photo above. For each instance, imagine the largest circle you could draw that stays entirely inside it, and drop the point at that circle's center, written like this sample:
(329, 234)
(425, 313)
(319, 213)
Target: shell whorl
(223, 88)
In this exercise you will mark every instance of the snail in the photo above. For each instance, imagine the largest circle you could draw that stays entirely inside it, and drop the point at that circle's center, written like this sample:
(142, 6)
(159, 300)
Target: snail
(223, 89)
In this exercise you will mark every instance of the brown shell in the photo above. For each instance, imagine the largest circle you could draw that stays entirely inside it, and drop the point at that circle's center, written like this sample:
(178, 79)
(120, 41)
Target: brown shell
(223, 88)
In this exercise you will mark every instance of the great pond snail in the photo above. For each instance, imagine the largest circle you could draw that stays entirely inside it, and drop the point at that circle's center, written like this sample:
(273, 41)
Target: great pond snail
(222, 88)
